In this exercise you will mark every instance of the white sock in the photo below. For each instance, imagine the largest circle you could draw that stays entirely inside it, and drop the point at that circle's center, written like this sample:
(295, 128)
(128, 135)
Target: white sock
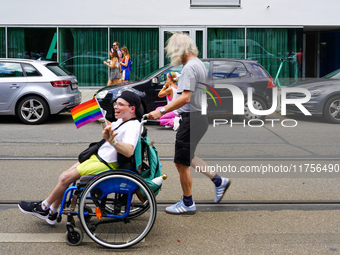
(53, 210)
(45, 206)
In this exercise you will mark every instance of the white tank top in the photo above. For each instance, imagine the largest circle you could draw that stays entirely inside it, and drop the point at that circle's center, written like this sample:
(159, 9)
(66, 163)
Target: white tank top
(174, 96)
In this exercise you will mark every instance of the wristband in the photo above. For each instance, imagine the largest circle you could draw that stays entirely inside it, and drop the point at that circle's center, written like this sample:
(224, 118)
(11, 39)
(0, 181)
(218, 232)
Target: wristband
(114, 143)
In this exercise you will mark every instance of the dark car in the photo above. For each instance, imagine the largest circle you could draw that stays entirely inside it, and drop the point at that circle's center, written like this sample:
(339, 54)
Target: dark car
(241, 73)
(325, 97)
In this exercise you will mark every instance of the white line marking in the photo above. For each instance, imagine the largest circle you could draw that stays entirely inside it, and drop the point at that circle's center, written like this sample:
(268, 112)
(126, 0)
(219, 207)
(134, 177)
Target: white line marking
(38, 238)
(35, 238)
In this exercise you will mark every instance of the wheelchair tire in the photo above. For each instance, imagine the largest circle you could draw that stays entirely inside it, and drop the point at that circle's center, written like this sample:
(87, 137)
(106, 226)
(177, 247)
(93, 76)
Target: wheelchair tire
(76, 238)
(110, 227)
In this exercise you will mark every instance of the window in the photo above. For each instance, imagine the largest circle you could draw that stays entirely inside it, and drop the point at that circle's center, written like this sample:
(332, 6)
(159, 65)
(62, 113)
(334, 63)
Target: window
(82, 52)
(269, 45)
(10, 70)
(266, 45)
(215, 3)
(58, 70)
(228, 69)
(30, 70)
(199, 43)
(142, 44)
(2, 43)
(32, 43)
(226, 43)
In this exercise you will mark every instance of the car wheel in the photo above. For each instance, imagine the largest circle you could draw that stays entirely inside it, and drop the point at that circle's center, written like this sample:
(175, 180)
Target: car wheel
(331, 110)
(32, 110)
(258, 104)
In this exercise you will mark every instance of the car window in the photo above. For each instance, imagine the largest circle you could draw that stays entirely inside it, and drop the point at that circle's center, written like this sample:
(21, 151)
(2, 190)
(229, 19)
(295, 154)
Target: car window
(228, 69)
(10, 70)
(334, 75)
(30, 70)
(58, 70)
(176, 69)
(207, 65)
(68, 62)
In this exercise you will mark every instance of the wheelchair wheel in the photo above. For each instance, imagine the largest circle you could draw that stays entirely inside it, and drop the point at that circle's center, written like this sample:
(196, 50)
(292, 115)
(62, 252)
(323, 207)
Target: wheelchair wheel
(112, 194)
(74, 238)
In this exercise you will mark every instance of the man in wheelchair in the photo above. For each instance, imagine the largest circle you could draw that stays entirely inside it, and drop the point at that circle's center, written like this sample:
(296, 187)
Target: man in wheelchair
(120, 142)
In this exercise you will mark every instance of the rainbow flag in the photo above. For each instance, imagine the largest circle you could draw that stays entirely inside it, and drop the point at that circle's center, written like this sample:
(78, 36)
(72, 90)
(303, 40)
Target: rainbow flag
(86, 112)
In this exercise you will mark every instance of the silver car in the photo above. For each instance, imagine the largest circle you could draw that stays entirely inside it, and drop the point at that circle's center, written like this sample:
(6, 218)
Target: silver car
(325, 97)
(34, 89)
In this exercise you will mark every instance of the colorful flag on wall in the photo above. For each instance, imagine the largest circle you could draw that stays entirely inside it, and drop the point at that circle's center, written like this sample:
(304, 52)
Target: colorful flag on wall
(86, 112)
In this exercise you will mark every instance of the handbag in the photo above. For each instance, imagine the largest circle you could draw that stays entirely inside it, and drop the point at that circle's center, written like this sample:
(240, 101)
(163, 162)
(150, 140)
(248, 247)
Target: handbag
(92, 149)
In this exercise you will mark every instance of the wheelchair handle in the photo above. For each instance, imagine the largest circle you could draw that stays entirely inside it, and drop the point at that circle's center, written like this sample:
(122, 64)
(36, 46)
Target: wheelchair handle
(145, 120)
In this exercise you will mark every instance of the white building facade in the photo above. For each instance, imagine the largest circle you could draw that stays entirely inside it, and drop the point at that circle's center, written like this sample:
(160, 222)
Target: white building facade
(79, 34)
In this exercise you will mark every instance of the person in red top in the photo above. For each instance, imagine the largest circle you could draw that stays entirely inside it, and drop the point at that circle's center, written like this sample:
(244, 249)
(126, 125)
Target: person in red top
(299, 64)
(125, 64)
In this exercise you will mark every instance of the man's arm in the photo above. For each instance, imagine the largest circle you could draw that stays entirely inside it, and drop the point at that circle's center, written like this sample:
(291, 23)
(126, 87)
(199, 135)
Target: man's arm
(123, 148)
(183, 99)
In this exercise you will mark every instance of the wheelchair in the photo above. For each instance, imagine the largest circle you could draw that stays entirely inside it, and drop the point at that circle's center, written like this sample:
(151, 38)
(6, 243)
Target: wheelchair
(116, 208)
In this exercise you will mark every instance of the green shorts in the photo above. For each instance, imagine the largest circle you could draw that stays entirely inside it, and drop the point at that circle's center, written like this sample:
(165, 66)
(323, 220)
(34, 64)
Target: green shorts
(93, 166)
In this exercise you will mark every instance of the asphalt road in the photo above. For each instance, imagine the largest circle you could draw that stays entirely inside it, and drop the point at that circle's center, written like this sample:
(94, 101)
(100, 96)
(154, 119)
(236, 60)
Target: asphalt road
(284, 196)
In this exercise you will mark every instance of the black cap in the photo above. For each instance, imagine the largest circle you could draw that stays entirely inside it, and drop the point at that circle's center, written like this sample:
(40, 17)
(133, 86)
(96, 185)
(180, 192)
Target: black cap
(133, 99)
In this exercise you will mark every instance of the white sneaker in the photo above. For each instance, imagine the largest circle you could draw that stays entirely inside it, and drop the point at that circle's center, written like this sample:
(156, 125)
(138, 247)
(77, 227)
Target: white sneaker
(220, 191)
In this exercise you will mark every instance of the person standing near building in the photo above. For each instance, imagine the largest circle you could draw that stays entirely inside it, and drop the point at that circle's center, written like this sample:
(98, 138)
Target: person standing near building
(125, 64)
(181, 49)
(114, 67)
(116, 47)
(299, 64)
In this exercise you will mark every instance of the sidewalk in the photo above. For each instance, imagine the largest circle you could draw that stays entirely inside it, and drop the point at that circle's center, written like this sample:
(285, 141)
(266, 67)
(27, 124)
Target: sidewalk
(88, 92)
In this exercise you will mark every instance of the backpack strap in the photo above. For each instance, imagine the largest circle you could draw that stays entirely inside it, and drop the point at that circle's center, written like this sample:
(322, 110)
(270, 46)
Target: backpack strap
(125, 162)
(124, 123)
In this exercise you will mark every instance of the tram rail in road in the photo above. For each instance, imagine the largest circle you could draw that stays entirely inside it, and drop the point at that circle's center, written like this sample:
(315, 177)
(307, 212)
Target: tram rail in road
(209, 206)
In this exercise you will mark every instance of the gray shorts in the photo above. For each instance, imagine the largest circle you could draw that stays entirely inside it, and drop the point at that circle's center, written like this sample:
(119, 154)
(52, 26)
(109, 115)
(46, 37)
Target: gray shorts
(114, 74)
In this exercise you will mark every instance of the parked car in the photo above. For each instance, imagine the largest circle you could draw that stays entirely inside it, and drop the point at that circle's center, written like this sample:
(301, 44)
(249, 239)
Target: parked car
(242, 73)
(325, 100)
(34, 89)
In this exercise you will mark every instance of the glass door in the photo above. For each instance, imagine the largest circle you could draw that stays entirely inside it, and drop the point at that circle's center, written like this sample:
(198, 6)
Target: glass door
(198, 35)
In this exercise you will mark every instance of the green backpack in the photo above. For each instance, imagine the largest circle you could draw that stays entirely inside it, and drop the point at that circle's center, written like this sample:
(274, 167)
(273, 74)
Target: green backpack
(147, 162)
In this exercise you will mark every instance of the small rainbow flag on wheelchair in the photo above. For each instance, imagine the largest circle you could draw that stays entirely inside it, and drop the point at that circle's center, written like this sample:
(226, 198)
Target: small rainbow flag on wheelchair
(86, 112)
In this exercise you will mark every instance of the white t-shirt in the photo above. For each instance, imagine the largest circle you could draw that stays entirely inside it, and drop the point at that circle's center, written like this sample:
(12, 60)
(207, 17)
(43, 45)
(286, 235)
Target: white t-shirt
(127, 133)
